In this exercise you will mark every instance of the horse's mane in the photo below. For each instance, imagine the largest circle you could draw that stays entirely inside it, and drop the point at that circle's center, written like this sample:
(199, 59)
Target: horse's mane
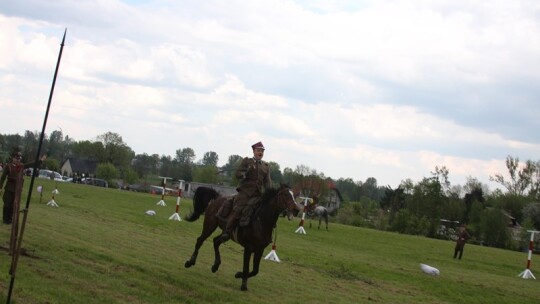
(271, 192)
(268, 195)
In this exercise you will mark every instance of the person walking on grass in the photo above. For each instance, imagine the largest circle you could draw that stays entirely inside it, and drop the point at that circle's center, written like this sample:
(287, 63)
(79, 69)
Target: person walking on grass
(462, 238)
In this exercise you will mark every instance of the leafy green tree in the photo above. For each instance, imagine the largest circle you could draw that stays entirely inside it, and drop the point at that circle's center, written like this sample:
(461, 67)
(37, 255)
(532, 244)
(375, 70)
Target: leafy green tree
(30, 145)
(348, 188)
(167, 166)
(230, 168)
(407, 185)
(205, 174)
(311, 186)
(51, 164)
(210, 159)
(185, 158)
(275, 173)
(89, 150)
(511, 203)
(144, 164)
(475, 213)
(107, 171)
(393, 201)
(370, 189)
(494, 228)
(289, 176)
(476, 194)
(454, 210)
(441, 175)
(525, 236)
(115, 151)
(532, 213)
(426, 199)
(11, 141)
(521, 177)
(130, 176)
(55, 146)
(401, 221)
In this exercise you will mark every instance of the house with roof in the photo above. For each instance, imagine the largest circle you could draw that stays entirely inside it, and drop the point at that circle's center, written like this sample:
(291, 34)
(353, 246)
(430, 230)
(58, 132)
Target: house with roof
(78, 167)
(333, 199)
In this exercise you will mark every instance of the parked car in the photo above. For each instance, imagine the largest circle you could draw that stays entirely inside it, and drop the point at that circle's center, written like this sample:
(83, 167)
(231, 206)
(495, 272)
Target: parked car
(95, 182)
(48, 174)
(67, 179)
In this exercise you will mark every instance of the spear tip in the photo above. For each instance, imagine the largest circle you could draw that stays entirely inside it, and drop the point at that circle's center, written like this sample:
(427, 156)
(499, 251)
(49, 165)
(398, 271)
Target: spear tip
(64, 38)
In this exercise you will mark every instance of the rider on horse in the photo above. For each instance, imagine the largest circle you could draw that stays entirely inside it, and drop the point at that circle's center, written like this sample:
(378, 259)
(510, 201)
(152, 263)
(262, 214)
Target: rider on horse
(254, 176)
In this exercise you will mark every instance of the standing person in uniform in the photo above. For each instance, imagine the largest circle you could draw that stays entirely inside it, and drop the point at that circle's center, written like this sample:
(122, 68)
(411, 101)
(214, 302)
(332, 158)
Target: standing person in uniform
(254, 176)
(462, 238)
(13, 173)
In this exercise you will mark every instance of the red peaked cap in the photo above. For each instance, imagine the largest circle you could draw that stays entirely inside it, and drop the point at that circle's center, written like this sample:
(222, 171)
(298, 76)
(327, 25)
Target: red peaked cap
(258, 145)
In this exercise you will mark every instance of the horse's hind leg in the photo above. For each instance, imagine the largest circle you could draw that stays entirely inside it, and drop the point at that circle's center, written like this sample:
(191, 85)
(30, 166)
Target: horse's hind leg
(326, 219)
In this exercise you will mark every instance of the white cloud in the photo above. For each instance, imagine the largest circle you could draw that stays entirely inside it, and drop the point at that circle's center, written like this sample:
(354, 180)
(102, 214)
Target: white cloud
(385, 89)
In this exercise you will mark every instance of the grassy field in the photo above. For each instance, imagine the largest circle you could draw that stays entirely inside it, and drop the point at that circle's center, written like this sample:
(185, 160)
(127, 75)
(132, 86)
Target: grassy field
(100, 247)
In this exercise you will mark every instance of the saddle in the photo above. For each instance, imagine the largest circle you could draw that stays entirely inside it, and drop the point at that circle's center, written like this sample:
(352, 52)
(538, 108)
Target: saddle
(245, 217)
(226, 208)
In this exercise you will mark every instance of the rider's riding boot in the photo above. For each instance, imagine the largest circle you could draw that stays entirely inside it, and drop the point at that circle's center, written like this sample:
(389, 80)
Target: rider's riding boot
(231, 224)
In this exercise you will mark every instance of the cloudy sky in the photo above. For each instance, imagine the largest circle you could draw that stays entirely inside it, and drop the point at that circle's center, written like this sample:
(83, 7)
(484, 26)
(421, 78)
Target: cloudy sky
(352, 89)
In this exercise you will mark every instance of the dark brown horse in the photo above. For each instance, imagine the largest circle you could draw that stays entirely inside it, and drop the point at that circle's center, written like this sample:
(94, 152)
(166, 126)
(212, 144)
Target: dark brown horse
(254, 238)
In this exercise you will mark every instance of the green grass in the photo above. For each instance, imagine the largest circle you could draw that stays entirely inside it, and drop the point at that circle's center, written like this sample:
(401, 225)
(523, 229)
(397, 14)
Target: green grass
(100, 247)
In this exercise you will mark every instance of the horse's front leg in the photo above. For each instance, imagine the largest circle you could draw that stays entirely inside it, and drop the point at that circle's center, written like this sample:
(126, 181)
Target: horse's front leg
(257, 256)
(244, 274)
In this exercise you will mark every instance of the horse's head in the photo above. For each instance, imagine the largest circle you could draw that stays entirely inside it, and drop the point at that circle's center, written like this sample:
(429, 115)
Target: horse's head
(287, 202)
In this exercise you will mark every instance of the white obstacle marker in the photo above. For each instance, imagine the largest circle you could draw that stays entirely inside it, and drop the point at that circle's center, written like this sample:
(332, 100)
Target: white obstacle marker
(150, 212)
(163, 184)
(52, 203)
(40, 191)
(301, 229)
(527, 273)
(429, 270)
(176, 216)
(272, 256)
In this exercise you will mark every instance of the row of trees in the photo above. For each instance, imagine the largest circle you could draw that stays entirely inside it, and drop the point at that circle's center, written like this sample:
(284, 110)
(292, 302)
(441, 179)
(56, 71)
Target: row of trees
(434, 208)
(413, 207)
(117, 161)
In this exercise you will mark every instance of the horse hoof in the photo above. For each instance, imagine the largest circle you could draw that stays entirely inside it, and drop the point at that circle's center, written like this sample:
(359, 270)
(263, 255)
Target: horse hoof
(188, 264)
(243, 288)
(238, 275)
(215, 268)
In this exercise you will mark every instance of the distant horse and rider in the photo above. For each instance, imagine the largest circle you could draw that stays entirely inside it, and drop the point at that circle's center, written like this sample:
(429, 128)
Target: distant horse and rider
(315, 210)
(254, 238)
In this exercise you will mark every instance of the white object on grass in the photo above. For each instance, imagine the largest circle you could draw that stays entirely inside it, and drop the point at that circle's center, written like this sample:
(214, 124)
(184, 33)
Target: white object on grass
(429, 270)
(150, 212)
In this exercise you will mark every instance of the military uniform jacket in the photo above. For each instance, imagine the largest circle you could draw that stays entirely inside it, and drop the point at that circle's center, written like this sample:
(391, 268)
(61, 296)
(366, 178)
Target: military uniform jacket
(11, 173)
(254, 176)
(463, 236)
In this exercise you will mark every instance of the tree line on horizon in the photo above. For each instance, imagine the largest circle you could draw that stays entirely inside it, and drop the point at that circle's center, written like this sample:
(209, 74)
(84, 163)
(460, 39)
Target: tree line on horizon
(413, 207)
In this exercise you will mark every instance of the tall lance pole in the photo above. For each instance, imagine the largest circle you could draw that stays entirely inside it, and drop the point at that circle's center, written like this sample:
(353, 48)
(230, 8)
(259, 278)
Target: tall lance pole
(15, 259)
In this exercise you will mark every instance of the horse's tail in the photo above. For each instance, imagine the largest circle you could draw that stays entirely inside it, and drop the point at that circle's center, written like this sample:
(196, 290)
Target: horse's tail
(201, 198)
